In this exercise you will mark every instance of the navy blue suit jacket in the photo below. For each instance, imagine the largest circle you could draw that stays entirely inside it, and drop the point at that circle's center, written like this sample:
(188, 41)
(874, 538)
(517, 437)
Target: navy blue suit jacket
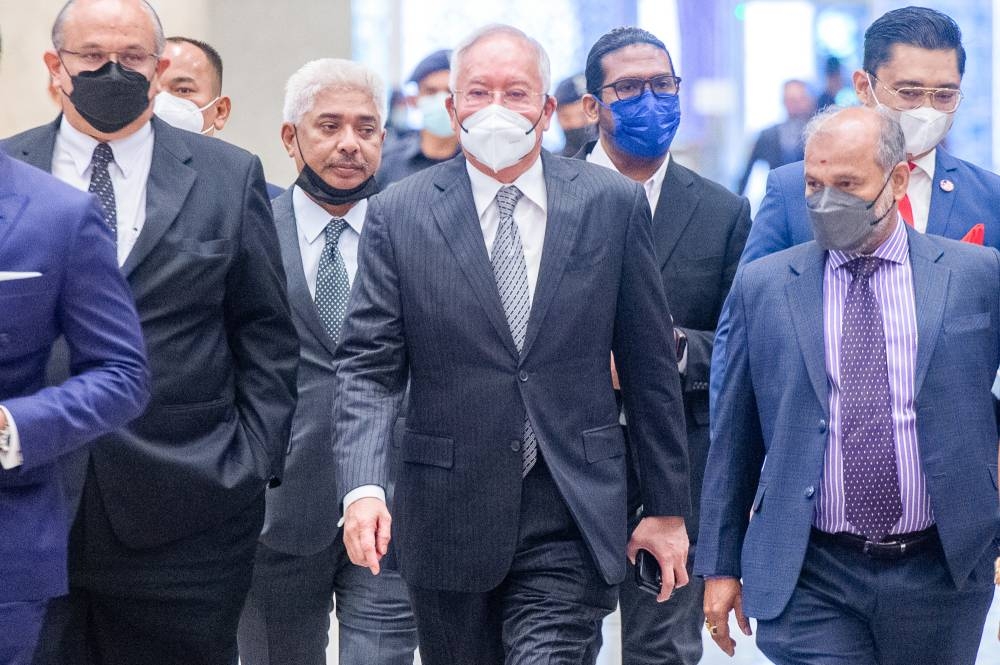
(49, 228)
(425, 306)
(768, 443)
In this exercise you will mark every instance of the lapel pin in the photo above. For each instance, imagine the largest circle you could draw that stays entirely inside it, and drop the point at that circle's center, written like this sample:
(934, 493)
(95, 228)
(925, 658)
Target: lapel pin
(947, 185)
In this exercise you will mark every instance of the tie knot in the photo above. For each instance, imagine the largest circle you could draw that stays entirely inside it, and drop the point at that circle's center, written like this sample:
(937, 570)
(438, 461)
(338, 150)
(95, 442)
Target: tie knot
(507, 199)
(102, 155)
(863, 267)
(333, 230)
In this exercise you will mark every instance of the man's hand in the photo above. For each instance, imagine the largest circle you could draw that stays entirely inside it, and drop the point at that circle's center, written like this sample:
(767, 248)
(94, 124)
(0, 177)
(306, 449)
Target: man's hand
(367, 532)
(723, 594)
(666, 539)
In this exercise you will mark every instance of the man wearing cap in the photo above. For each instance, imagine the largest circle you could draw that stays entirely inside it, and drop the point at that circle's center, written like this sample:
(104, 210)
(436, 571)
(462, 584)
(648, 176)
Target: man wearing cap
(576, 126)
(436, 141)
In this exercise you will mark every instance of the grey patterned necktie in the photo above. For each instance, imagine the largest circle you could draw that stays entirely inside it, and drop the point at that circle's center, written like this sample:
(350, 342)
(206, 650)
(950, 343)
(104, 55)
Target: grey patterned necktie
(100, 184)
(511, 272)
(871, 477)
(332, 285)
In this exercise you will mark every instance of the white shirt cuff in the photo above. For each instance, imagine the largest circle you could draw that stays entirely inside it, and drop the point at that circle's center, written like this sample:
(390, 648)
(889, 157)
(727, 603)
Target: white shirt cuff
(10, 455)
(363, 492)
(996, 386)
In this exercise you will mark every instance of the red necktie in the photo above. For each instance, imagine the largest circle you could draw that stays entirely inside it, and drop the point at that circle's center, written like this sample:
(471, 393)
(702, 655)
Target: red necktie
(905, 209)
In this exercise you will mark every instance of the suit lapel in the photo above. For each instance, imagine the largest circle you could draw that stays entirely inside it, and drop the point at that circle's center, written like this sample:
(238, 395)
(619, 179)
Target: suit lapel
(805, 299)
(674, 210)
(170, 180)
(291, 256)
(454, 211)
(11, 202)
(562, 225)
(41, 152)
(930, 290)
(939, 220)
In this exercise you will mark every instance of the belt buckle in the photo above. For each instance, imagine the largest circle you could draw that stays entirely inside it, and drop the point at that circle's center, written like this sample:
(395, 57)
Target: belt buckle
(889, 550)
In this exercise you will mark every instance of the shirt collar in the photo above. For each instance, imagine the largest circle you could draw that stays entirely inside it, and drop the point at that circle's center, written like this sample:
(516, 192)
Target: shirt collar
(485, 188)
(895, 248)
(600, 157)
(311, 219)
(127, 151)
(927, 162)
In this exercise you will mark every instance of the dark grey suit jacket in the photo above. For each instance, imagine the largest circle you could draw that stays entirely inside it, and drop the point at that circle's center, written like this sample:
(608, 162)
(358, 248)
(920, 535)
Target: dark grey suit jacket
(426, 306)
(210, 291)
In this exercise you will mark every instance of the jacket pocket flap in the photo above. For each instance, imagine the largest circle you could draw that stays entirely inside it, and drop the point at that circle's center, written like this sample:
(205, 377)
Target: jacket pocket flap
(603, 443)
(427, 449)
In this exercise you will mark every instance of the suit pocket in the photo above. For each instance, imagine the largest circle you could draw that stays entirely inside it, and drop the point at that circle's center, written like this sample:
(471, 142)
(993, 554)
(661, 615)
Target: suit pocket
(13, 288)
(426, 449)
(220, 247)
(967, 323)
(603, 443)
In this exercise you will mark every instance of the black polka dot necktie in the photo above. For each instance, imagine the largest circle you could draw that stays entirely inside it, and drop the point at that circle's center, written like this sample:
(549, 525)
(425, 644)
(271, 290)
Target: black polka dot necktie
(332, 285)
(511, 273)
(871, 475)
(100, 184)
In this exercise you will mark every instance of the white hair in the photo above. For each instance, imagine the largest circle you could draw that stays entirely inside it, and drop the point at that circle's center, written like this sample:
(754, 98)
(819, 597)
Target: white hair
(544, 69)
(317, 75)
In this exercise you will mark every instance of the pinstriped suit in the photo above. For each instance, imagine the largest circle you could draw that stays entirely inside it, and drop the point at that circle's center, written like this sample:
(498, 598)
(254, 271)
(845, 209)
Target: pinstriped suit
(426, 307)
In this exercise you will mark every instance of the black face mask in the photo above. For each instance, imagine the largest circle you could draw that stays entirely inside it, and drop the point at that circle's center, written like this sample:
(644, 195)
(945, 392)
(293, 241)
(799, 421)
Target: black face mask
(576, 138)
(110, 98)
(312, 184)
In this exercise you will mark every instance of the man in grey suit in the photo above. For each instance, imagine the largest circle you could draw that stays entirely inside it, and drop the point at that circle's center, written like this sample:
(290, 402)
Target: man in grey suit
(852, 478)
(499, 283)
(333, 130)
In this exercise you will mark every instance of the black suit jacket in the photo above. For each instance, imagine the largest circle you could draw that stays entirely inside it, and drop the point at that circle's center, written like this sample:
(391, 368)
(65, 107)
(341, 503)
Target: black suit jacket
(699, 229)
(425, 306)
(768, 149)
(210, 291)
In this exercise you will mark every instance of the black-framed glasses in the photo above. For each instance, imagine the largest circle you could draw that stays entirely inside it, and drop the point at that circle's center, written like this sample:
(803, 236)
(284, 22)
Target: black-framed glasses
(945, 100)
(630, 88)
(132, 58)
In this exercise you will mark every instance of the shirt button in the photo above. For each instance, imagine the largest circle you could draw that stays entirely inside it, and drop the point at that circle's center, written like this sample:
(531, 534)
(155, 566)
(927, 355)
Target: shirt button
(822, 426)
(523, 376)
(515, 446)
(809, 492)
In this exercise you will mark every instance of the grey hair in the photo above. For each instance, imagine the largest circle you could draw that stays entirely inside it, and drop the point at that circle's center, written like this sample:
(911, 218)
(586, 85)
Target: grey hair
(891, 147)
(544, 68)
(159, 39)
(316, 75)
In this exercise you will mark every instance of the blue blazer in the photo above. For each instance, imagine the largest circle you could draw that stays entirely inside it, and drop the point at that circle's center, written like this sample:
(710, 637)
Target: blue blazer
(425, 306)
(782, 220)
(50, 228)
(766, 456)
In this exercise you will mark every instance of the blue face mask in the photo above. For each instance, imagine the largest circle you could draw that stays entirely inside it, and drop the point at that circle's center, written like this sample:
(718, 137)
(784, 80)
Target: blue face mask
(645, 125)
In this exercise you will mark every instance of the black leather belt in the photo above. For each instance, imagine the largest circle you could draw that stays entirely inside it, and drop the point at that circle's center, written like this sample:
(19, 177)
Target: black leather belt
(895, 546)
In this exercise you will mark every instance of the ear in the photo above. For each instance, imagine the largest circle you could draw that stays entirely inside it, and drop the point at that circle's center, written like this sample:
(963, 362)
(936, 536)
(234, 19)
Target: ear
(53, 64)
(449, 103)
(899, 180)
(547, 110)
(863, 87)
(288, 139)
(223, 107)
(590, 107)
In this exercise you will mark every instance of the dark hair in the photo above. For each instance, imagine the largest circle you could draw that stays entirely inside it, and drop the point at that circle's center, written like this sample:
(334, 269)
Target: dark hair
(612, 41)
(214, 59)
(914, 26)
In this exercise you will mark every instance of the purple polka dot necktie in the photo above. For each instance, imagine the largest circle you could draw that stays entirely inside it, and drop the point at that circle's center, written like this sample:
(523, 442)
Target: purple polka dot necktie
(511, 273)
(871, 476)
(333, 287)
(100, 184)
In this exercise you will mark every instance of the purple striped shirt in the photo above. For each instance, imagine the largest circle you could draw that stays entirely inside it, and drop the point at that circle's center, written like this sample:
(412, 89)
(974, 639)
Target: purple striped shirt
(893, 287)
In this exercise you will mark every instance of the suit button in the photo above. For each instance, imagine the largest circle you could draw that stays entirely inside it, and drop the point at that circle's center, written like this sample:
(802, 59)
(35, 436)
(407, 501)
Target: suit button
(522, 375)
(822, 426)
(515, 446)
(809, 492)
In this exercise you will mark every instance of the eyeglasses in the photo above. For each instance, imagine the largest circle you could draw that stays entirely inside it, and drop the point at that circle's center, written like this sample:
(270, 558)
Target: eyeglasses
(945, 100)
(132, 58)
(512, 98)
(630, 88)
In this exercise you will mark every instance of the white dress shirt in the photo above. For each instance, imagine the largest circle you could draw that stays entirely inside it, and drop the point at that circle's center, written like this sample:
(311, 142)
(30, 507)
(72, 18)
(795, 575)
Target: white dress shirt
(651, 186)
(129, 173)
(530, 217)
(310, 223)
(919, 189)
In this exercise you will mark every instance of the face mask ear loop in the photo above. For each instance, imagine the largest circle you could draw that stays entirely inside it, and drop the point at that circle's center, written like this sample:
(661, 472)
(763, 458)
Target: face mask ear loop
(872, 204)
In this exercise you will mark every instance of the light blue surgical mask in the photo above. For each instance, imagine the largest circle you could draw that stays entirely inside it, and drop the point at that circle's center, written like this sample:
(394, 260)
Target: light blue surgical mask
(435, 115)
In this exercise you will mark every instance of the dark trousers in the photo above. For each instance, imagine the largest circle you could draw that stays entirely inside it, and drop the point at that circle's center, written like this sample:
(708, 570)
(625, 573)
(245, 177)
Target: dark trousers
(849, 609)
(20, 623)
(546, 610)
(286, 619)
(177, 604)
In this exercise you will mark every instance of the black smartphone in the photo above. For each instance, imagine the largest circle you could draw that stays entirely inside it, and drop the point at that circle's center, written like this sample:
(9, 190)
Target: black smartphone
(647, 572)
